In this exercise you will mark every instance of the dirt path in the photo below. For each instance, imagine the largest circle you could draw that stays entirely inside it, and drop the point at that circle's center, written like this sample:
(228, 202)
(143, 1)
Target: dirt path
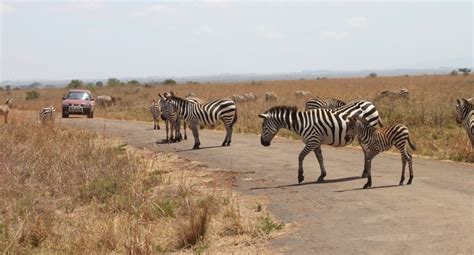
(435, 215)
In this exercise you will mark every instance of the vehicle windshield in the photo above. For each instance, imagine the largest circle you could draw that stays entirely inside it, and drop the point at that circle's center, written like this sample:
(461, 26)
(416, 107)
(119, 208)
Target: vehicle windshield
(78, 95)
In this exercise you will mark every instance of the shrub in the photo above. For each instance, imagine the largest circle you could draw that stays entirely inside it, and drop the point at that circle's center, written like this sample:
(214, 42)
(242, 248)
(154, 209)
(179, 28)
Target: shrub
(32, 95)
(75, 84)
(372, 75)
(169, 82)
(112, 82)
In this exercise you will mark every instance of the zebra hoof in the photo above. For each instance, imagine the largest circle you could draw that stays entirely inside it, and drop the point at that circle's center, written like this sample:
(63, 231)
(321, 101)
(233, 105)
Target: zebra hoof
(300, 178)
(158, 128)
(367, 185)
(320, 180)
(224, 144)
(409, 181)
(196, 146)
(228, 143)
(185, 138)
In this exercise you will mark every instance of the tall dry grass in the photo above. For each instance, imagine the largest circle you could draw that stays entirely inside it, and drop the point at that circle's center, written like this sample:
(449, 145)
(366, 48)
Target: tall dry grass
(70, 191)
(429, 113)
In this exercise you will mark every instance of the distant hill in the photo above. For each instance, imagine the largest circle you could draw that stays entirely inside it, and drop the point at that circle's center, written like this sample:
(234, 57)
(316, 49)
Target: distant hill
(305, 74)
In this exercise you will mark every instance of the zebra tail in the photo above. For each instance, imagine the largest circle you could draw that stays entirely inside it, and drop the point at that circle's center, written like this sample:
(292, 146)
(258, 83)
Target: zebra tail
(412, 145)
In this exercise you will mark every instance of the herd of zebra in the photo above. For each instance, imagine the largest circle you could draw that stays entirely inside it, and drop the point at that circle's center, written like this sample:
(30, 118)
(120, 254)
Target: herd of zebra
(324, 121)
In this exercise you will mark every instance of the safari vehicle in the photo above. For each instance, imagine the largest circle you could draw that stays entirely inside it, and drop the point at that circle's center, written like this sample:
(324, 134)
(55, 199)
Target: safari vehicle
(78, 102)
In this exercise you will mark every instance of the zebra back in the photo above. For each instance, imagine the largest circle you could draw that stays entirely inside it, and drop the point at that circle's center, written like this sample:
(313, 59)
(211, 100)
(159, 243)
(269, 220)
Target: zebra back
(328, 103)
(155, 109)
(46, 114)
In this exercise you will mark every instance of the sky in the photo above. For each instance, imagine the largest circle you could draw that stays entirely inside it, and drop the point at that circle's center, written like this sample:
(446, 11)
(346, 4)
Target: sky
(101, 39)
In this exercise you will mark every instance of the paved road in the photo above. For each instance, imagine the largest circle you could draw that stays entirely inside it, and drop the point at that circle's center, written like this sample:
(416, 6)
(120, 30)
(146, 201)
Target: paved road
(435, 215)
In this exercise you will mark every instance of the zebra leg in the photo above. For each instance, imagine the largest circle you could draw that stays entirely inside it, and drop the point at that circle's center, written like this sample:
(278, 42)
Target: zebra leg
(369, 172)
(195, 131)
(364, 172)
(319, 156)
(228, 136)
(301, 157)
(167, 131)
(154, 124)
(410, 167)
(172, 131)
(178, 130)
(184, 127)
(158, 124)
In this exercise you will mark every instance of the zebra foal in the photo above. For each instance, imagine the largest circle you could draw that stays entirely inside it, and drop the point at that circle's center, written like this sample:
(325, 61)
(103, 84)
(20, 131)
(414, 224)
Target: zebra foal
(207, 114)
(465, 116)
(155, 112)
(316, 127)
(373, 141)
(328, 103)
(169, 115)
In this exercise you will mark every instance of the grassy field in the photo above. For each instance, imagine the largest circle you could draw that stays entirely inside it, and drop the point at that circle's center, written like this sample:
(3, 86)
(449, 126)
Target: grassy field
(70, 191)
(429, 113)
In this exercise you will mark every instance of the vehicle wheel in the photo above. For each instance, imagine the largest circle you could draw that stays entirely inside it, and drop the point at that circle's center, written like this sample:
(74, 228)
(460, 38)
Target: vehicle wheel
(90, 115)
(65, 115)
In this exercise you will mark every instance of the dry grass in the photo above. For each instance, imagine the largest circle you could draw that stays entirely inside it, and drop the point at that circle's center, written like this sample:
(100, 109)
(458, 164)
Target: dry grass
(429, 113)
(71, 191)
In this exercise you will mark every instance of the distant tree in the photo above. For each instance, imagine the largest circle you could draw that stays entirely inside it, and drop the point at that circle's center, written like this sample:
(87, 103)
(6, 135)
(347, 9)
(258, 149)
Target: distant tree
(169, 82)
(91, 86)
(372, 75)
(147, 85)
(8, 88)
(318, 78)
(406, 75)
(465, 71)
(1, 88)
(99, 84)
(453, 73)
(34, 85)
(32, 95)
(113, 82)
(192, 82)
(133, 83)
(75, 84)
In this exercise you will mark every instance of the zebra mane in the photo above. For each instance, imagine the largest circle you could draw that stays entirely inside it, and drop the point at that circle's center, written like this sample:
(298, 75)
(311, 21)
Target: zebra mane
(282, 108)
(178, 99)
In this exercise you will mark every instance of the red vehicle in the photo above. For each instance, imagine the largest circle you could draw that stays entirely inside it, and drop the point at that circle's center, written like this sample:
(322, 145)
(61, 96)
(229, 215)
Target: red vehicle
(78, 101)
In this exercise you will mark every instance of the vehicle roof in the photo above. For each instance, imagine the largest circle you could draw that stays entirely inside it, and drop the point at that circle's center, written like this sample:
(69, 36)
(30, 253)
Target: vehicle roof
(80, 90)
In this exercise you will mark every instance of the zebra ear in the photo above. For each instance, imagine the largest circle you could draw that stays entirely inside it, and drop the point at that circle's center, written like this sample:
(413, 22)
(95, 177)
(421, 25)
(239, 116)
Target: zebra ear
(263, 115)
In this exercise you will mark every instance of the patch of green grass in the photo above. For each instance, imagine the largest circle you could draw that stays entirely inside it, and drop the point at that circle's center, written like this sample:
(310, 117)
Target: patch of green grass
(100, 189)
(267, 225)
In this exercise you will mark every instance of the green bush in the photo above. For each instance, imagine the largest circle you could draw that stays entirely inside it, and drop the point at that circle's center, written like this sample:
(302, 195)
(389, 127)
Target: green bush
(169, 82)
(32, 95)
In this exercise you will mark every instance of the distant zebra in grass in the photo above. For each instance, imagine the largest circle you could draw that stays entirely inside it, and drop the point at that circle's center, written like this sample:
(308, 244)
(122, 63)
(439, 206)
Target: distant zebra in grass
(373, 141)
(403, 93)
(47, 115)
(5, 109)
(155, 112)
(208, 114)
(465, 116)
(316, 127)
(328, 103)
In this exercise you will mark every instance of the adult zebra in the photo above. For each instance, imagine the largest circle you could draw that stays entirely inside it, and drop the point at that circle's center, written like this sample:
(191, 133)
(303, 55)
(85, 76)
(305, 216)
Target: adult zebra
(316, 127)
(208, 114)
(155, 112)
(170, 116)
(465, 116)
(47, 114)
(328, 103)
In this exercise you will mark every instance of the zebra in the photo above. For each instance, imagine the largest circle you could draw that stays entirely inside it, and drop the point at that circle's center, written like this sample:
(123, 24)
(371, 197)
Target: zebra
(316, 127)
(47, 114)
(5, 109)
(465, 116)
(328, 103)
(172, 121)
(373, 141)
(155, 112)
(207, 114)
(403, 93)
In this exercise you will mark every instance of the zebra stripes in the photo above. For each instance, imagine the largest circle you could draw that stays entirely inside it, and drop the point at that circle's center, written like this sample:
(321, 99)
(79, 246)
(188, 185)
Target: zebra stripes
(316, 127)
(155, 112)
(373, 141)
(208, 114)
(47, 115)
(172, 121)
(465, 116)
(328, 103)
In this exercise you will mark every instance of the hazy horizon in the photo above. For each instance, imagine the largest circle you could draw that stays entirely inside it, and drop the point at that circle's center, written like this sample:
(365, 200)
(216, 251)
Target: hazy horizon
(99, 39)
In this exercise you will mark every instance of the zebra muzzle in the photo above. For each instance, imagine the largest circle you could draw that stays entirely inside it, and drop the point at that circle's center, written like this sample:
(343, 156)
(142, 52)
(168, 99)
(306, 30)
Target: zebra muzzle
(264, 143)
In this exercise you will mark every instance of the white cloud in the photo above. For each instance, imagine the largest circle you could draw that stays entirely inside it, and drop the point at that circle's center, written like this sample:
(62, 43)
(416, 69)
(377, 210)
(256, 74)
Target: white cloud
(334, 35)
(267, 32)
(5, 8)
(358, 22)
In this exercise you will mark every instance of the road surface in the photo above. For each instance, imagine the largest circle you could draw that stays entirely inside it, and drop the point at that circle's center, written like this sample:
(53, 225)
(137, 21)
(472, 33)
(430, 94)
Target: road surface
(434, 215)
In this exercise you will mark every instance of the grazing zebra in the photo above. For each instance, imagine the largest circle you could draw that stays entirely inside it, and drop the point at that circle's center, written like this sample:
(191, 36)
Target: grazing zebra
(403, 93)
(465, 116)
(155, 112)
(208, 114)
(172, 121)
(5, 109)
(47, 114)
(316, 127)
(373, 141)
(328, 103)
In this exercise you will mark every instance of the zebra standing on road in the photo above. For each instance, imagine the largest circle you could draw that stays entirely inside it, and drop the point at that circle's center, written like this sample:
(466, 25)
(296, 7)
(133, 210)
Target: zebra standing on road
(328, 103)
(373, 141)
(155, 112)
(170, 116)
(47, 115)
(316, 127)
(465, 116)
(208, 114)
